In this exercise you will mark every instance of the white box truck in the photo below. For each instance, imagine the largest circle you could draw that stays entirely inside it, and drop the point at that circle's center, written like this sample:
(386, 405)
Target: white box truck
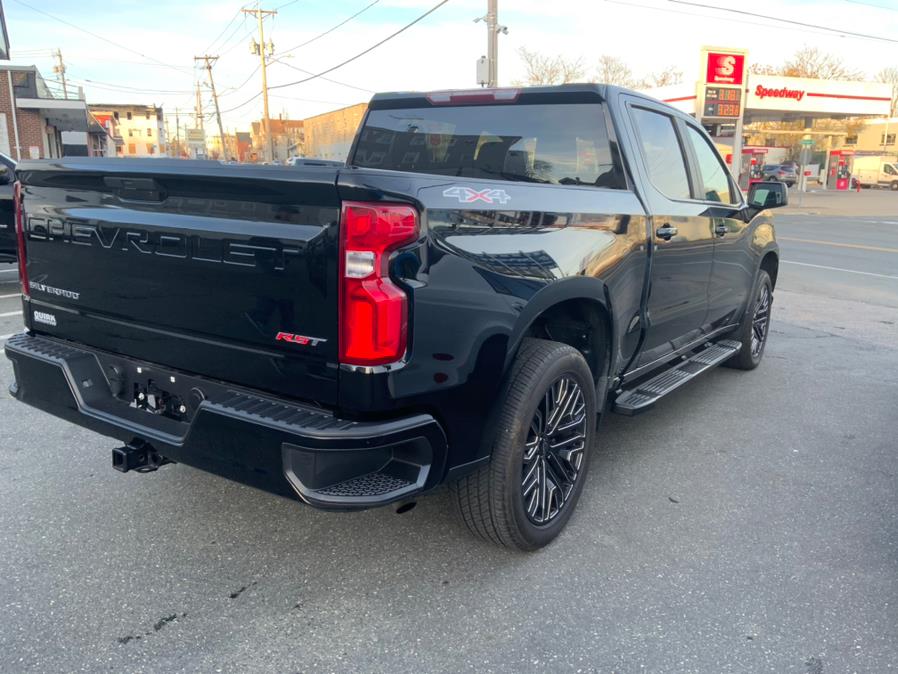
(875, 171)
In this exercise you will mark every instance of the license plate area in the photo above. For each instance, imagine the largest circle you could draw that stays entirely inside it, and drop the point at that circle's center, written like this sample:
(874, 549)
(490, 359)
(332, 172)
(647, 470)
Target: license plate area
(153, 390)
(149, 396)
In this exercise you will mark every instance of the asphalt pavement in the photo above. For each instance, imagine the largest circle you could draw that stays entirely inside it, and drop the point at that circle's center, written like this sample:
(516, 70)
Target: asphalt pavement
(748, 523)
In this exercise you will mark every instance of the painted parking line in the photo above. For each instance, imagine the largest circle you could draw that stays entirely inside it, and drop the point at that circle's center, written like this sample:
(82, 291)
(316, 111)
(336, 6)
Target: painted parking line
(847, 271)
(859, 246)
(3, 338)
(10, 314)
(7, 297)
(15, 270)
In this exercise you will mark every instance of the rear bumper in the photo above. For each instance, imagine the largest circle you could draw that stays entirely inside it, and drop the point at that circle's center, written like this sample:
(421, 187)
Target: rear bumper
(277, 445)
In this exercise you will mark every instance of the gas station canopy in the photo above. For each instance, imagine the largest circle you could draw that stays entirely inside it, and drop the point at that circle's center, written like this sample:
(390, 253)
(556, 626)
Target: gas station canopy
(728, 95)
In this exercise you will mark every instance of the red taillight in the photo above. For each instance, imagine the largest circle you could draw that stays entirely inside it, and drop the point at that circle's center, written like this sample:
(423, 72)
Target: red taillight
(20, 239)
(373, 310)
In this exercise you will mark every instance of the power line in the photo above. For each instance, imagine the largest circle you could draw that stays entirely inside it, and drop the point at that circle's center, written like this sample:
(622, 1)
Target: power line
(233, 90)
(742, 22)
(330, 30)
(100, 37)
(870, 4)
(116, 87)
(308, 100)
(366, 51)
(839, 31)
(326, 79)
(347, 61)
(224, 30)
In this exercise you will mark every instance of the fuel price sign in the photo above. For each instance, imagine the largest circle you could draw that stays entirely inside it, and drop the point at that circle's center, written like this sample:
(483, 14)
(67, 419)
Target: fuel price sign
(723, 102)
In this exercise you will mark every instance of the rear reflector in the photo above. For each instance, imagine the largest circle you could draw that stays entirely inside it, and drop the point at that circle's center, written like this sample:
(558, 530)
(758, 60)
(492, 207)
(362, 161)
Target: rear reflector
(473, 96)
(20, 239)
(373, 309)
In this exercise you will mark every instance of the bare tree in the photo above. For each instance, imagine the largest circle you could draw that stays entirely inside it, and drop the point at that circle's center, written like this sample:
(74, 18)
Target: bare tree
(611, 70)
(890, 76)
(811, 62)
(543, 69)
(663, 78)
(765, 69)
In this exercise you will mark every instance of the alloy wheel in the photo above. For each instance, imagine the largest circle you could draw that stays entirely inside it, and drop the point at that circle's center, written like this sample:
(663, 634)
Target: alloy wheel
(760, 321)
(554, 451)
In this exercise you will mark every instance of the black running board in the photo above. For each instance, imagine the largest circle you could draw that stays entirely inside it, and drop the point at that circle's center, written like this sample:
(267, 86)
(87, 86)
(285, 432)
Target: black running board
(643, 396)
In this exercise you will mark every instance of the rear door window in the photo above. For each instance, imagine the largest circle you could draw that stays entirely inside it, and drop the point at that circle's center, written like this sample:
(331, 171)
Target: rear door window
(662, 153)
(565, 144)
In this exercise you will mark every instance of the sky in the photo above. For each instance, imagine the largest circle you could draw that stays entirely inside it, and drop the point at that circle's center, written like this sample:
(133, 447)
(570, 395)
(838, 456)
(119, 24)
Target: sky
(142, 51)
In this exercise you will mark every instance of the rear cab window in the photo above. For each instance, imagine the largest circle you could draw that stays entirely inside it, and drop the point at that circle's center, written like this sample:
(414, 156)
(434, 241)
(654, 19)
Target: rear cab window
(664, 157)
(714, 174)
(560, 143)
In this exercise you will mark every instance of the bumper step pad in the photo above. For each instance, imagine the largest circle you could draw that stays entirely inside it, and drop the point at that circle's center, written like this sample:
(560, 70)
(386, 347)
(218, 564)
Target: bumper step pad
(643, 396)
(371, 485)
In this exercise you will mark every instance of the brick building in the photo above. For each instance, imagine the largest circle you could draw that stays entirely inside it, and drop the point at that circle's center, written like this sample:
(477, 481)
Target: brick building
(35, 124)
(287, 139)
(330, 135)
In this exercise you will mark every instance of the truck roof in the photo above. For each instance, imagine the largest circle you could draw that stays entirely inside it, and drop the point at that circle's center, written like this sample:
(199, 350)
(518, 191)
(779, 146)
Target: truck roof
(550, 94)
(568, 93)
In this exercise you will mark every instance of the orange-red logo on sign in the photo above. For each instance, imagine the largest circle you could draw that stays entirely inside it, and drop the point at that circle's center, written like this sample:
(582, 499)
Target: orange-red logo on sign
(725, 68)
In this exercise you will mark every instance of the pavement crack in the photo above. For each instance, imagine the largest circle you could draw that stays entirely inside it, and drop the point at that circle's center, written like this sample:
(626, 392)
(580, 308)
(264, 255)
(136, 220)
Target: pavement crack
(162, 622)
(158, 625)
(243, 589)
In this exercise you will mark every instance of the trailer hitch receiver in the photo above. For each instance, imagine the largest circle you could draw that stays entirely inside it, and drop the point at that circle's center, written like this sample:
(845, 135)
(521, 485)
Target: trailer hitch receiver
(137, 455)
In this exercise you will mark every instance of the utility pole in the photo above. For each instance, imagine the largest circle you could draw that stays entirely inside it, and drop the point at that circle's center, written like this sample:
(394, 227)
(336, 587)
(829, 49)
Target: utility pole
(260, 14)
(492, 41)
(59, 69)
(198, 110)
(178, 131)
(210, 61)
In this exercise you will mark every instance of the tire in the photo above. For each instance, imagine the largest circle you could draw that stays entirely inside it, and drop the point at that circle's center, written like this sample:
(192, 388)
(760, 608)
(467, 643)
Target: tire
(894, 186)
(503, 501)
(751, 353)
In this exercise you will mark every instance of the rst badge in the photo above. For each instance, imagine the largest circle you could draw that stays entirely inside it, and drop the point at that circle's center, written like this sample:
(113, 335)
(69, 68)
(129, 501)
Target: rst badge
(302, 340)
(469, 195)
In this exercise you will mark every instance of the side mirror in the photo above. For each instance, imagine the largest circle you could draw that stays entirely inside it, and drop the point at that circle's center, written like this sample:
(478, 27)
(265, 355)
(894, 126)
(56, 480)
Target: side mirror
(773, 194)
(5, 177)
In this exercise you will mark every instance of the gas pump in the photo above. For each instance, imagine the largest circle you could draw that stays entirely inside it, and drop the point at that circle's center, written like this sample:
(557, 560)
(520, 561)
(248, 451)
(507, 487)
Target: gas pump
(841, 163)
(752, 170)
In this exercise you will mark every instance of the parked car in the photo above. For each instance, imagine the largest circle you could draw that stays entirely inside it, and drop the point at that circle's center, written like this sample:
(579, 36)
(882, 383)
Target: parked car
(7, 226)
(782, 172)
(492, 272)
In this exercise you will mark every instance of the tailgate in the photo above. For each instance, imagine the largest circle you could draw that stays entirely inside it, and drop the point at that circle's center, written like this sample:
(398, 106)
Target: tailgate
(225, 271)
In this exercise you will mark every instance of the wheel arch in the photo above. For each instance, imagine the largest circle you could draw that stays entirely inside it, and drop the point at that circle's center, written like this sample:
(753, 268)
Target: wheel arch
(770, 263)
(576, 312)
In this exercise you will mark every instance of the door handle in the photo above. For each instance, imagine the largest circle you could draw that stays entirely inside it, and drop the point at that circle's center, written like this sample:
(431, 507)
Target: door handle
(666, 231)
(721, 229)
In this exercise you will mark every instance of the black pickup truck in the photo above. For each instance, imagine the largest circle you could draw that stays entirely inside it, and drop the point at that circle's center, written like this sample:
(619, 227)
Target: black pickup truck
(459, 304)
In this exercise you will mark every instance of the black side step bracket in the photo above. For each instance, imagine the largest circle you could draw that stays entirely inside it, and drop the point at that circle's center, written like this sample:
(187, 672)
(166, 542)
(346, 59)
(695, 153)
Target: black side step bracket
(643, 396)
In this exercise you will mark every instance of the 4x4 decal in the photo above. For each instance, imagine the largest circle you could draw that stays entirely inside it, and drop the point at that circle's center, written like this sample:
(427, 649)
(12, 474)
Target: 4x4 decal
(469, 195)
